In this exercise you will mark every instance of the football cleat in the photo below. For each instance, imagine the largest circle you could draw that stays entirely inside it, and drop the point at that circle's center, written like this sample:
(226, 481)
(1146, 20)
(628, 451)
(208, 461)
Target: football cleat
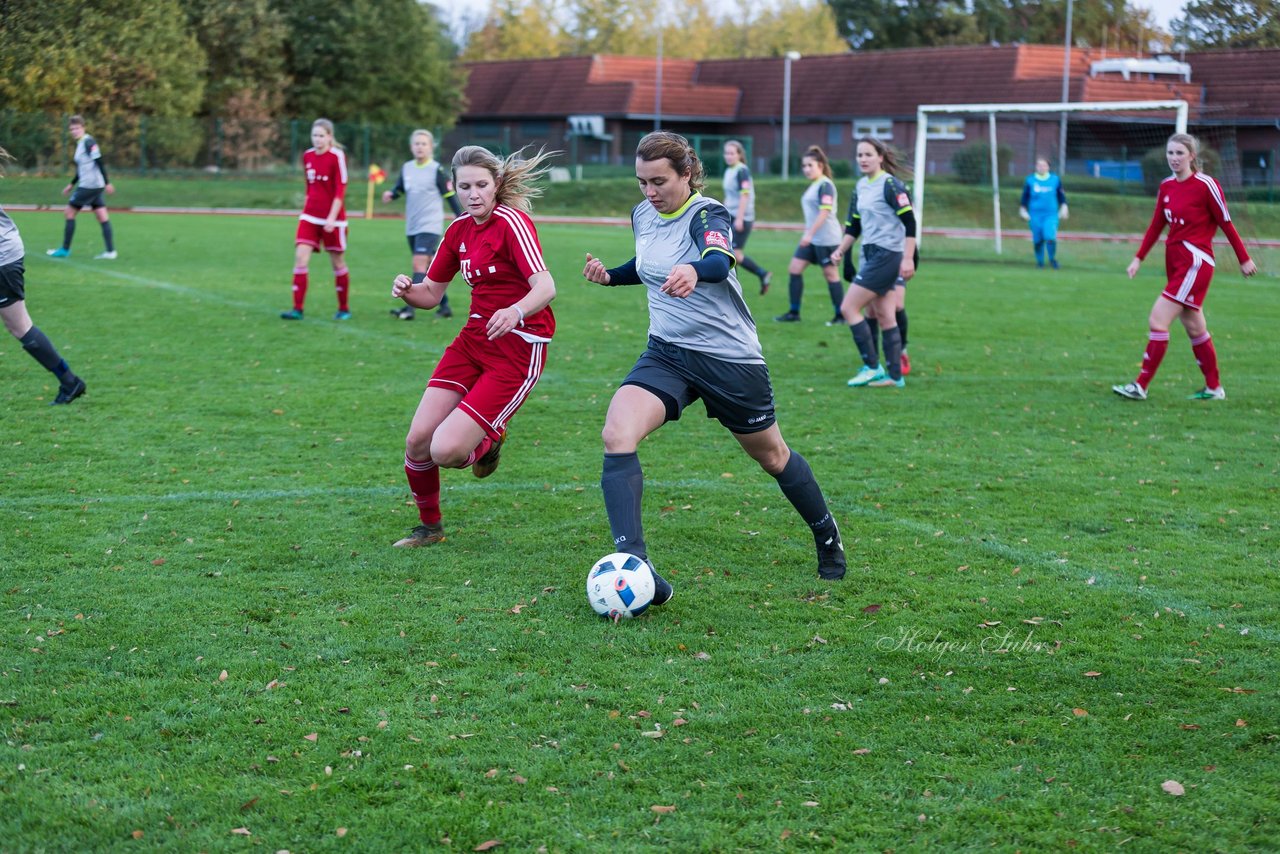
(765, 281)
(906, 363)
(488, 464)
(867, 375)
(444, 311)
(1207, 393)
(66, 394)
(662, 589)
(831, 563)
(423, 535)
(1133, 391)
(60, 252)
(107, 256)
(837, 320)
(342, 314)
(789, 317)
(405, 312)
(1053, 264)
(887, 382)
(291, 314)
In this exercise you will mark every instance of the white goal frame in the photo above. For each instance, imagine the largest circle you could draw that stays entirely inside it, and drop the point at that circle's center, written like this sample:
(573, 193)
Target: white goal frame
(924, 111)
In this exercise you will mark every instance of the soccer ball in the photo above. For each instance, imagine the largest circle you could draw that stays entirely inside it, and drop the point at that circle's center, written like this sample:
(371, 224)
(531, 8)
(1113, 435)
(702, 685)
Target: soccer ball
(620, 586)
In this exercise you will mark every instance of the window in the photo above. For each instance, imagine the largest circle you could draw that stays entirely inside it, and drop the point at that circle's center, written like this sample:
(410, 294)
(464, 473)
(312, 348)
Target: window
(835, 134)
(537, 130)
(945, 128)
(878, 128)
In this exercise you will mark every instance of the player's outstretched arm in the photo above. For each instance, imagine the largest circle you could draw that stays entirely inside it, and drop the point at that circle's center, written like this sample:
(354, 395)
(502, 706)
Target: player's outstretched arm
(595, 271)
(424, 294)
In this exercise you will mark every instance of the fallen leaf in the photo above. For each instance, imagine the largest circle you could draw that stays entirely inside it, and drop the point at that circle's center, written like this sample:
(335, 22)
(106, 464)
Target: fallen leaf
(485, 846)
(1190, 726)
(137, 834)
(274, 683)
(382, 724)
(662, 809)
(871, 609)
(809, 804)
(241, 831)
(862, 751)
(702, 656)
(312, 737)
(340, 832)
(657, 733)
(1241, 722)
(1092, 673)
(682, 722)
(785, 835)
(1080, 713)
(248, 805)
(491, 773)
(222, 677)
(516, 778)
(1173, 787)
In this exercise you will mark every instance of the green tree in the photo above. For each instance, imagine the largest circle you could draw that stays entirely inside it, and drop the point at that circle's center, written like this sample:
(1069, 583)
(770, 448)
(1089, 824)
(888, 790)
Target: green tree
(244, 42)
(876, 24)
(386, 61)
(789, 25)
(606, 26)
(516, 29)
(1229, 23)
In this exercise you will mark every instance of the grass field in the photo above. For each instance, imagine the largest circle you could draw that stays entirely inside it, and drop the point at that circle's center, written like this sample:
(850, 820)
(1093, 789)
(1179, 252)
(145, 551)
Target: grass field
(1057, 601)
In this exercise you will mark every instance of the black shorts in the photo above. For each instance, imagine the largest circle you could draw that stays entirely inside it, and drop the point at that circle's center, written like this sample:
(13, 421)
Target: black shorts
(740, 237)
(815, 254)
(738, 395)
(425, 243)
(12, 289)
(879, 271)
(86, 198)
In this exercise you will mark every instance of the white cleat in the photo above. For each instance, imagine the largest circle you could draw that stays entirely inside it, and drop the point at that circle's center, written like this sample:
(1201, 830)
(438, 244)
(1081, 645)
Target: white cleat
(1133, 391)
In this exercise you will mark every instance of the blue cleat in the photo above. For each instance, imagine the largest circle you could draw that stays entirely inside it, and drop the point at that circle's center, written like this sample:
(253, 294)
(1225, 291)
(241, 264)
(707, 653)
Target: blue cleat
(58, 253)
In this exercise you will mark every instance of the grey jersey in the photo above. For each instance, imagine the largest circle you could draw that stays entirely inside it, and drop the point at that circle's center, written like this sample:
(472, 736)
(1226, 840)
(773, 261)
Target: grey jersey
(714, 319)
(88, 175)
(879, 201)
(738, 191)
(11, 248)
(820, 196)
(425, 188)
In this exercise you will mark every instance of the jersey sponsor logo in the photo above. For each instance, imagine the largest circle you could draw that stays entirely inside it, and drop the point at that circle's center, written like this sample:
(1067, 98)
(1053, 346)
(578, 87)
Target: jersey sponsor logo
(903, 200)
(828, 199)
(716, 238)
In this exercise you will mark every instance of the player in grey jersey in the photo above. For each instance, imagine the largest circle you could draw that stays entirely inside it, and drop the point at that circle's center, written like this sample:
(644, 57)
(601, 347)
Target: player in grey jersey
(13, 309)
(86, 187)
(425, 186)
(702, 344)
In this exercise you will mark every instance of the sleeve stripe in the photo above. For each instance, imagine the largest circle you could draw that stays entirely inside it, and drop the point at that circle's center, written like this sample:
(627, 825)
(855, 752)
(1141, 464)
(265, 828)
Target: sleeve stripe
(1216, 192)
(524, 237)
(342, 162)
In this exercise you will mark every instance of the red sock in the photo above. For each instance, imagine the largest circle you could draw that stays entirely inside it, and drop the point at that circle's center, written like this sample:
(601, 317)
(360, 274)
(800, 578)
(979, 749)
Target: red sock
(479, 451)
(299, 287)
(424, 482)
(342, 284)
(1157, 345)
(1207, 359)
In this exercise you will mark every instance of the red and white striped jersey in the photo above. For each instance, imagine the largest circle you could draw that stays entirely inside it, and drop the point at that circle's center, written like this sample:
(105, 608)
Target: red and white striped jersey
(1194, 210)
(326, 181)
(496, 259)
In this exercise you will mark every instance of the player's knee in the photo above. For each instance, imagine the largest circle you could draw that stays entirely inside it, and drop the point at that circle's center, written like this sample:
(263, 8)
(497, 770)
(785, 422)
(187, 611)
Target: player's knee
(448, 455)
(617, 439)
(417, 445)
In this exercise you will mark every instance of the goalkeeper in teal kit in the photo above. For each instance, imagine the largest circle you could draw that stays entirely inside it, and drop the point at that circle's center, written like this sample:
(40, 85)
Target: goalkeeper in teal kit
(1043, 203)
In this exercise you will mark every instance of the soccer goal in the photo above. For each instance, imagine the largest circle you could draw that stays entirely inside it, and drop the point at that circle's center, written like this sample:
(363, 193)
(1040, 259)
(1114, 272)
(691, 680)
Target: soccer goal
(1102, 141)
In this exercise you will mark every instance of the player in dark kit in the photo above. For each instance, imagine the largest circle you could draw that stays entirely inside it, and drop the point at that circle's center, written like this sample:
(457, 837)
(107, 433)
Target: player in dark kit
(13, 310)
(1192, 205)
(491, 367)
(86, 187)
(702, 344)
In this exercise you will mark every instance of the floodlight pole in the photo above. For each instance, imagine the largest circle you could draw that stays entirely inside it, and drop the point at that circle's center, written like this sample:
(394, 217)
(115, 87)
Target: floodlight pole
(1066, 93)
(657, 96)
(790, 57)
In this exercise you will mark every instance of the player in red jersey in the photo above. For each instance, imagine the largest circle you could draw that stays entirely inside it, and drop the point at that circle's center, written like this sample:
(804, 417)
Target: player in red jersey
(495, 361)
(1193, 206)
(323, 222)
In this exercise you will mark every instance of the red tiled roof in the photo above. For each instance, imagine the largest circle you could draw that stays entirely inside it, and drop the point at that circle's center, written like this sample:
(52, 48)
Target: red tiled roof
(1239, 83)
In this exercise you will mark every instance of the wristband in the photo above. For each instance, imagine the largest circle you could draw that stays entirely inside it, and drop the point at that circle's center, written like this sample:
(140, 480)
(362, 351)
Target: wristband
(521, 313)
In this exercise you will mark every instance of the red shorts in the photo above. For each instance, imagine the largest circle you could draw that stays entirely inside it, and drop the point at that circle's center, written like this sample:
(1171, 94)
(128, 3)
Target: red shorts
(495, 377)
(313, 234)
(1189, 270)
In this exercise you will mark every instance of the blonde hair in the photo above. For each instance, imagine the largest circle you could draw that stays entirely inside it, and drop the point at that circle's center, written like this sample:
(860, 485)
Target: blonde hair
(423, 132)
(888, 155)
(676, 150)
(328, 126)
(817, 155)
(514, 176)
(737, 147)
(1191, 144)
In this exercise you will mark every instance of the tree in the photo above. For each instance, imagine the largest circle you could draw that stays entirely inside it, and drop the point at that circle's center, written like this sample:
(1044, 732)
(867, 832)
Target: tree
(516, 29)
(385, 61)
(877, 24)
(789, 25)
(1229, 23)
(244, 43)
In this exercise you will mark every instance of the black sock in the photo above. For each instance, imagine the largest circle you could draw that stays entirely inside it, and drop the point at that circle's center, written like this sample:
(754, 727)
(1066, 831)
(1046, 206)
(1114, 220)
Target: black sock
(107, 236)
(836, 290)
(1052, 246)
(797, 483)
(751, 266)
(873, 323)
(862, 339)
(42, 350)
(901, 316)
(893, 353)
(622, 482)
(444, 301)
(796, 287)
(68, 232)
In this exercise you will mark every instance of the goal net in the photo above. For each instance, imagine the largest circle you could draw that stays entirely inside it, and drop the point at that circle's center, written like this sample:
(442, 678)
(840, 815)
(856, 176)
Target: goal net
(1103, 147)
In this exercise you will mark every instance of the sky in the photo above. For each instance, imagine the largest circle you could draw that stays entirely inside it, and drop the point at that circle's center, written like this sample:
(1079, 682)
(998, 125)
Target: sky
(455, 10)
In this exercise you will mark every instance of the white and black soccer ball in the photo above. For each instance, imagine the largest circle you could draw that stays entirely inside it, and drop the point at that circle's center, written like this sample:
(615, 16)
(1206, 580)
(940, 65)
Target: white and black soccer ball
(620, 586)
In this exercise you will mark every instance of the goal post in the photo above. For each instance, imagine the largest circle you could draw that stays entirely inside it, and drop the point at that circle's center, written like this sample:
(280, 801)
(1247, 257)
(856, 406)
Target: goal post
(925, 112)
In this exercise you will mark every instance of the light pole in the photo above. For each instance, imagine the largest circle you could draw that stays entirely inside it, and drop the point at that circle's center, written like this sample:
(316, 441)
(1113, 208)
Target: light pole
(657, 95)
(790, 57)
(1066, 93)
